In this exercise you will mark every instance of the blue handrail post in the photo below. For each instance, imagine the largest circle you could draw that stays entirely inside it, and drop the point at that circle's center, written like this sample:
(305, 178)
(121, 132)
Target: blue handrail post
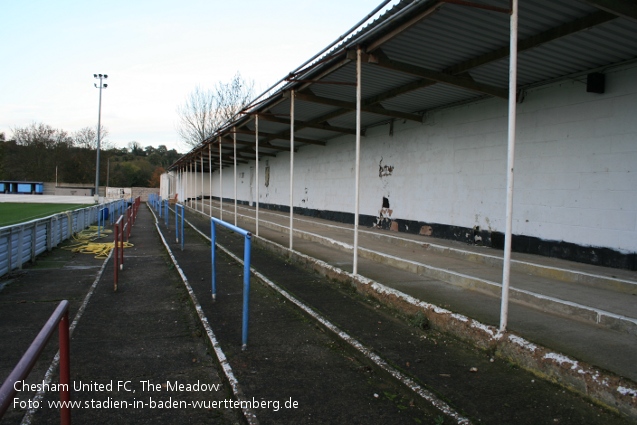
(158, 205)
(100, 220)
(182, 227)
(179, 227)
(166, 212)
(213, 249)
(246, 289)
(247, 247)
(177, 223)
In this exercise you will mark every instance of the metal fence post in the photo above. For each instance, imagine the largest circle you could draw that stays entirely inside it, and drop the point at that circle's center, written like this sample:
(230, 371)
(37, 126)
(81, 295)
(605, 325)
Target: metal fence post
(65, 369)
(116, 255)
(247, 247)
(246, 290)
(177, 223)
(28, 360)
(213, 249)
(182, 227)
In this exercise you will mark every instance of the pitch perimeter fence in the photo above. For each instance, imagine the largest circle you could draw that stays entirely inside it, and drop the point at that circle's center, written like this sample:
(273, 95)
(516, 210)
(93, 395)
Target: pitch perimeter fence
(21, 243)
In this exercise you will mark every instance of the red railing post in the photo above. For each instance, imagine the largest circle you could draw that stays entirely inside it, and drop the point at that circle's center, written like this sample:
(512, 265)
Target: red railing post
(8, 390)
(129, 212)
(121, 247)
(65, 369)
(116, 257)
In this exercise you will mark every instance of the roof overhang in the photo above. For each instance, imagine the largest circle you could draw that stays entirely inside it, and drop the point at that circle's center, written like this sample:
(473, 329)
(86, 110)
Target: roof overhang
(421, 56)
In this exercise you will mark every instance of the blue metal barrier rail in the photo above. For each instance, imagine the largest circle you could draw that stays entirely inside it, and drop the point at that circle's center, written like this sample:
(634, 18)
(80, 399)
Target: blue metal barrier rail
(166, 211)
(246, 270)
(179, 226)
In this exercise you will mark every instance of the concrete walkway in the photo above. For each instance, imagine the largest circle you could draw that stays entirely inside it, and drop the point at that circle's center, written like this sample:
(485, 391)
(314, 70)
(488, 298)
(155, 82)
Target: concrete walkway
(126, 346)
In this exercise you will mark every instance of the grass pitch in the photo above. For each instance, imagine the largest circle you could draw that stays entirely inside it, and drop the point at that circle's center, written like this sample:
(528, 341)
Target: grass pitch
(14, 213)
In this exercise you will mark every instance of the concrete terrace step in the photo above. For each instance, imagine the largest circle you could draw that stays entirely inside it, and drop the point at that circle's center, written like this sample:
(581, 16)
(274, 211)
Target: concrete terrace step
(315, 257)
(589, 293)
(600, 277)
(536, 335)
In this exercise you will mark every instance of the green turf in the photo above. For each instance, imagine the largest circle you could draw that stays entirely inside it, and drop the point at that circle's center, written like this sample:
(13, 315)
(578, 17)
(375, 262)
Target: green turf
(13, 213)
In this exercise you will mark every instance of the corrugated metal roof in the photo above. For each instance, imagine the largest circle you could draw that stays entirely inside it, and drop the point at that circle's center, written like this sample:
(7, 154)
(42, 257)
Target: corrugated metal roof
(426, 54)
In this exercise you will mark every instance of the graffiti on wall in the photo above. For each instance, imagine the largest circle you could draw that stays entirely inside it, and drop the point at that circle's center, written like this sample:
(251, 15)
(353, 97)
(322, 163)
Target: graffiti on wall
(384, 220)
(384, 170)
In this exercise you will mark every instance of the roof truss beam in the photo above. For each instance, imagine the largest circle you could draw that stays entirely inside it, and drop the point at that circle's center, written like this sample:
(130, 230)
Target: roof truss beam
(310, 124)
(623, 8)
(281, 136)
(351, 106)
(261, 153)
(380, 58)
(415, 85)
(535, 41)
(406, 88)
(265, 145)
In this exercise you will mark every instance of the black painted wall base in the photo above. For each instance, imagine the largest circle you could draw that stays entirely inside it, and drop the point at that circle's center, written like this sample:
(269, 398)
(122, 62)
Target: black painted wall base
(474, 236)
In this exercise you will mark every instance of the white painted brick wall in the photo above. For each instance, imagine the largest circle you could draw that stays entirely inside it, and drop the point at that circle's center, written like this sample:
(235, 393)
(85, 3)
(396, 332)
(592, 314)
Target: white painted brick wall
(575, 172)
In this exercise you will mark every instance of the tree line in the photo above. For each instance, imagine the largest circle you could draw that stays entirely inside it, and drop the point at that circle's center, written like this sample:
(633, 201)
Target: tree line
(39, 152)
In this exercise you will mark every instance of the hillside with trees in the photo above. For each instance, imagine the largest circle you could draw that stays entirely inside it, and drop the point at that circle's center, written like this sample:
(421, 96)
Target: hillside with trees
(39, 152)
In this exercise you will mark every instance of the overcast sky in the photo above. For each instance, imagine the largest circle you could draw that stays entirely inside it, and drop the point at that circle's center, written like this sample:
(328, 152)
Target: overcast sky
(154, 53)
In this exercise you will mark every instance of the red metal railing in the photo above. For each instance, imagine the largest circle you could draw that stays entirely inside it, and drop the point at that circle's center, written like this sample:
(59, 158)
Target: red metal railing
(129, 222)
(59, 317)
(136, 205)
(123, 226)
(118, 247)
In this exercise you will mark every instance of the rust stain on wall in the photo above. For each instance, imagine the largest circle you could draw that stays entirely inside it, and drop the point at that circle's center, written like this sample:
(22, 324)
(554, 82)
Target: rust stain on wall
(267, 174)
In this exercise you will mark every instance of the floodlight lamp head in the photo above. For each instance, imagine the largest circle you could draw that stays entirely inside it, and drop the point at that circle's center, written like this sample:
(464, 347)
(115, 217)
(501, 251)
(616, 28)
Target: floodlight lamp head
(95, 75)
(105, 76)
(105, 85)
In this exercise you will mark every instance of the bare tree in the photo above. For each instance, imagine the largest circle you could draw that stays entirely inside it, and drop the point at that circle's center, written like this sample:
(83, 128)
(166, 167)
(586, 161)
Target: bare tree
(87, 138)
(197, 117)
(40, 135)
(136, 149)
(205, 111)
